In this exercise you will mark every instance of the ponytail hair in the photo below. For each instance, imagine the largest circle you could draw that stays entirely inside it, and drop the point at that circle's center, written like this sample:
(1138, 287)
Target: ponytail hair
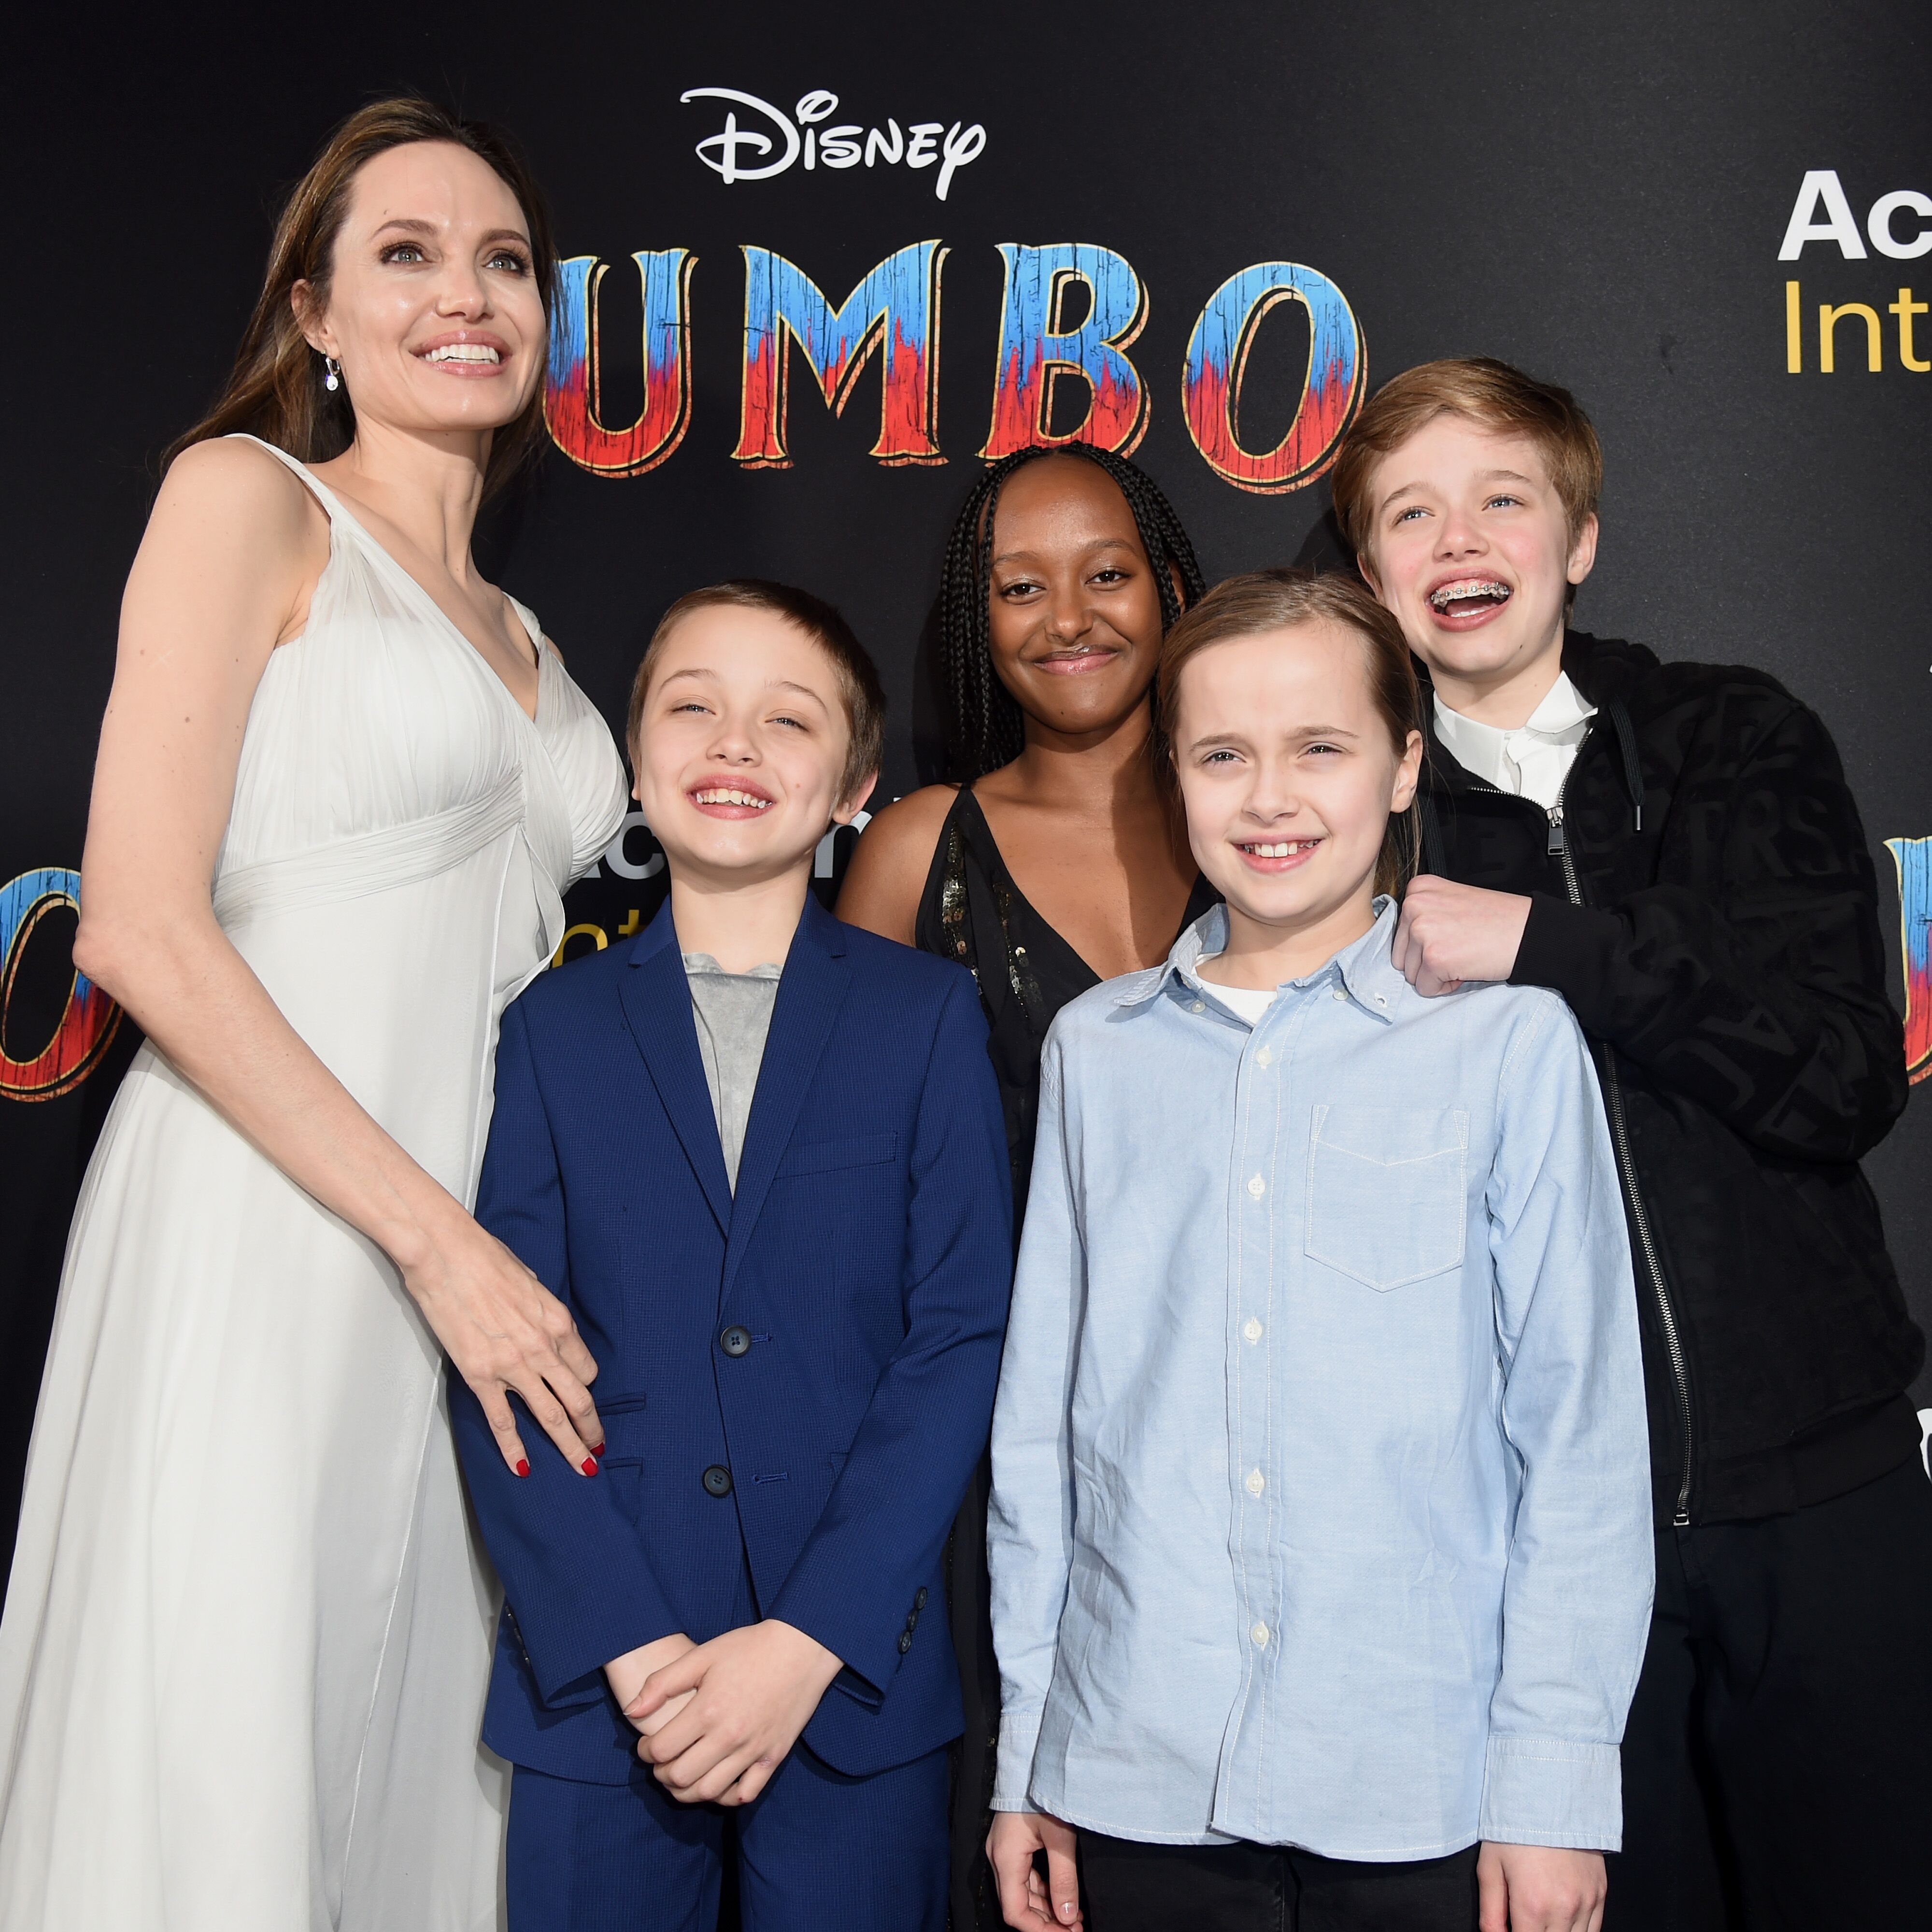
(1276, 600)
(276, 390)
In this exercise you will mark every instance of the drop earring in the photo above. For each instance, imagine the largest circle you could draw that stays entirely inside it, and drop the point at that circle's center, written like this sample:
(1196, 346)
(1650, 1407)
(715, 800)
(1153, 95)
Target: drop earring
(332, 379)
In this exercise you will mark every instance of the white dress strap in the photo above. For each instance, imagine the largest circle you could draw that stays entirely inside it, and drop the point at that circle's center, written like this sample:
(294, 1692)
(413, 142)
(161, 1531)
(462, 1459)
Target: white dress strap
(323, 495)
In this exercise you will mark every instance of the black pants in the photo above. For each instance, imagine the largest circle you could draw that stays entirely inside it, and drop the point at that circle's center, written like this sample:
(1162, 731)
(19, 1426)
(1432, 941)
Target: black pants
(1777, 1764)
(1126, 1887)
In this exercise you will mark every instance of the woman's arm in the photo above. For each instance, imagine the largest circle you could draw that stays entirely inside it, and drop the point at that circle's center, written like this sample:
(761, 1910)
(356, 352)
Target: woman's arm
(224, 573)
(889, 864)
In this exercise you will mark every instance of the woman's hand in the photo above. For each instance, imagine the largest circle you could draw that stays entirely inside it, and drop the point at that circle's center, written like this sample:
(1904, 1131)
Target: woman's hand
(1027, 1902)
(504, 1330)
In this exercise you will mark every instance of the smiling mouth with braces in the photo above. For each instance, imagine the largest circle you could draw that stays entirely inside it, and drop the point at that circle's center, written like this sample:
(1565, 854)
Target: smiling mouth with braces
(1467, 591)
(1281, 848)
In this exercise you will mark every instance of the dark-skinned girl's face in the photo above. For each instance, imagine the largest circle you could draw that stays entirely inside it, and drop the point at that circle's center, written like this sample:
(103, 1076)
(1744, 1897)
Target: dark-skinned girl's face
(1075, 622)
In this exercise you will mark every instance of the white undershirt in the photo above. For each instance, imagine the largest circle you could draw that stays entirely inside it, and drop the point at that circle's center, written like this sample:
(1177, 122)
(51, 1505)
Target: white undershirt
(1250, 1002)
(1532, 761)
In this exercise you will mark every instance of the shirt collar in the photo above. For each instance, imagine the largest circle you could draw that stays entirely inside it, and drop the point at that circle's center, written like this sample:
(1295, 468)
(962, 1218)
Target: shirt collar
(1363, 967)
(1480, 748)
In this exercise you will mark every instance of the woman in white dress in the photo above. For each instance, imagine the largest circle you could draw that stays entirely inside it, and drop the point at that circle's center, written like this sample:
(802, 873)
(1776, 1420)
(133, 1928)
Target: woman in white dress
(342, 783)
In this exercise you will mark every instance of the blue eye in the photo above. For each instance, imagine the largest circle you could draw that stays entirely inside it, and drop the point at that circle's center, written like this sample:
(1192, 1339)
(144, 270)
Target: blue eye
(1495, 500)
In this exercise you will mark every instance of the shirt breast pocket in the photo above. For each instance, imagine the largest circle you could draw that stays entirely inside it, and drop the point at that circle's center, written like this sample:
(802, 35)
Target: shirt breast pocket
(1387, 1204)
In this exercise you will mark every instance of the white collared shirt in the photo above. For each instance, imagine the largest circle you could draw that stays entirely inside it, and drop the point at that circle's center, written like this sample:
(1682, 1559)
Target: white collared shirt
(1533, 761)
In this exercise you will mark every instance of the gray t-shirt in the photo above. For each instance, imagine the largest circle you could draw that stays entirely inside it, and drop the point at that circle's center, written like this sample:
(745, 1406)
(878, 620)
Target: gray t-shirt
(734, 1014)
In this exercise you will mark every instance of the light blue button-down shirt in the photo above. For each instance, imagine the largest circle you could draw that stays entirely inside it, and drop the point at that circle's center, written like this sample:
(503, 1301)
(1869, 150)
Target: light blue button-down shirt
(1320, 1482)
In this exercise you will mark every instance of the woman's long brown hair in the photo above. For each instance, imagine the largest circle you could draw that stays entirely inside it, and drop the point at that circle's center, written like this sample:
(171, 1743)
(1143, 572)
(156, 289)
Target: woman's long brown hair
(275, 390)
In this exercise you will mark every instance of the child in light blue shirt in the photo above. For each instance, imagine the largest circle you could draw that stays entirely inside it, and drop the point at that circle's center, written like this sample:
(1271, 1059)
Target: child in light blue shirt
(1320, 1547)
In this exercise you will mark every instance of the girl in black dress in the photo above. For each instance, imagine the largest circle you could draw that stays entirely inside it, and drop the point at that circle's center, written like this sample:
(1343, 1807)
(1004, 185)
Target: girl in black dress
(1053, 858)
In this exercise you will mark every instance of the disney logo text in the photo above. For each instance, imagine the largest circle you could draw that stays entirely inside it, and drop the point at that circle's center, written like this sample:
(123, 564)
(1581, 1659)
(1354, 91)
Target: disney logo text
(738, 153)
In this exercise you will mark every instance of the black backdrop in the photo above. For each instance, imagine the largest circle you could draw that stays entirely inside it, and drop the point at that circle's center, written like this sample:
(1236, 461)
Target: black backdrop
(1599, 193)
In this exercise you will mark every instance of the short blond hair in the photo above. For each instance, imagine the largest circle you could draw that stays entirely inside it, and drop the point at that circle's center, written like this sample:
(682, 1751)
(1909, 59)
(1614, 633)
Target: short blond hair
(1490, 393)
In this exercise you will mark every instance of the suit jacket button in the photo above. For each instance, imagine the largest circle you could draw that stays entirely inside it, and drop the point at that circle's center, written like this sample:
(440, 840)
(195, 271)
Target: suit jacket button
(735, 1341)
(717, 1481)
(918, 1602)
(912, 1621)
(905, 1642)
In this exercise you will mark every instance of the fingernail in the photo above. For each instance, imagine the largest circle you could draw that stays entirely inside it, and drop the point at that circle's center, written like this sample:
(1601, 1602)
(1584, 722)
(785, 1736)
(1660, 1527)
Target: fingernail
(599, 1450)
(523, 1466)
(590, 1465)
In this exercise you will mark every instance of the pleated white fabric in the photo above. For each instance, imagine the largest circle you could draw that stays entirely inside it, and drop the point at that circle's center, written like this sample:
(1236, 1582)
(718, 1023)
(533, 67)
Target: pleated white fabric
(248, 1631)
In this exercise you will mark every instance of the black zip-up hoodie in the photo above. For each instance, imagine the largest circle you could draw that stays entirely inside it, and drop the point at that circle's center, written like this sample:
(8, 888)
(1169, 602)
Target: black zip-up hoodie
(1703, 898)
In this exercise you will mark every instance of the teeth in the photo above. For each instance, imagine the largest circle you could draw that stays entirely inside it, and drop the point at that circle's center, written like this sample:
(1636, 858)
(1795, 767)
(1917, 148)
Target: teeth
(464, 352)
(1466, 587)
(728, 795)
(1283, 849)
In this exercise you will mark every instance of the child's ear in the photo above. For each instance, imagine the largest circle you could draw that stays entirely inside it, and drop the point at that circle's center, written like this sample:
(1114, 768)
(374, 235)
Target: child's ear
(1408, 774)
(1366, 564)
(1583, 551)
(850, 808)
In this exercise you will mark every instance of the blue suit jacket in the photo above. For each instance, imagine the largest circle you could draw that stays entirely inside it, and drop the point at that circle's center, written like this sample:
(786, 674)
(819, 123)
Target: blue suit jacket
(868, 1256)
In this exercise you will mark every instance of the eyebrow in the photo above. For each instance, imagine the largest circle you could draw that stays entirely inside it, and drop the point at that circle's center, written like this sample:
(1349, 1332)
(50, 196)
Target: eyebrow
(1099, 543)
(1482, 475)
(776, 684)
(415, 224)
(1303, 733)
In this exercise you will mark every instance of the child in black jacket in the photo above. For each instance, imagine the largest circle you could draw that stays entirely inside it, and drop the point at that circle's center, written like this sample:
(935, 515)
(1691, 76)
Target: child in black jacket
(1673, 848)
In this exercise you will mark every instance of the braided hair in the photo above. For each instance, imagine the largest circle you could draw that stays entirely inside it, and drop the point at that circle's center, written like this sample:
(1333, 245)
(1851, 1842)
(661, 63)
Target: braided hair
(985, 727)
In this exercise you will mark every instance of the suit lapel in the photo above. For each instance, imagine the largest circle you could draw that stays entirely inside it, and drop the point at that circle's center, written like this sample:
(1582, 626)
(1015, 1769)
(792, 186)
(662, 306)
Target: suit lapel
(656, 999)
(810, 994)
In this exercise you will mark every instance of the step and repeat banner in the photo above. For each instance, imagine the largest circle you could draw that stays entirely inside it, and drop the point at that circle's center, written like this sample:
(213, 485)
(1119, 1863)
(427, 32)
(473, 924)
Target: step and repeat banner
(819, 269)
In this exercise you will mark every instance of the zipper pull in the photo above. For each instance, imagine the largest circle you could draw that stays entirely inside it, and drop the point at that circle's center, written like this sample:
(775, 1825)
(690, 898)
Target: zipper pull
(1555, 830)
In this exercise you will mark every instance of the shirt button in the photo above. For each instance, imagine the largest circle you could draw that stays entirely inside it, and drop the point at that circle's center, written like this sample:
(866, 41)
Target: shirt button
(1251, 1328)
(1256, 1481)
(1260, 1634)
(1257, 1187)
(735, 1341)
(717, 1481)
(1264, 1058)
(1197, 1006)
(1341, 993)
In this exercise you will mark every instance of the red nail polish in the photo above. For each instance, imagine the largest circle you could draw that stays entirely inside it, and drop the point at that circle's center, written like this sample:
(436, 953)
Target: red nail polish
(590, 1465)
(523, 1466)
(599, 1450)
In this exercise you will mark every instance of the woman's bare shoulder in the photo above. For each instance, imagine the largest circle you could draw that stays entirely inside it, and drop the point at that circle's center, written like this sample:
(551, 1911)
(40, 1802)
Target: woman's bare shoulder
(243, 496)
(890, 862)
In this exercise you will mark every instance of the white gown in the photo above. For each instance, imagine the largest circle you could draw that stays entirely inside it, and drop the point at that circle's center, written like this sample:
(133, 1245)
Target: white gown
(248, 1629)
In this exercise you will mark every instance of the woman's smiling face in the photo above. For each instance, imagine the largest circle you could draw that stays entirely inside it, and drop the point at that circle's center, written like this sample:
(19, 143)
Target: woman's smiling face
(1075, 618)
(432, 307)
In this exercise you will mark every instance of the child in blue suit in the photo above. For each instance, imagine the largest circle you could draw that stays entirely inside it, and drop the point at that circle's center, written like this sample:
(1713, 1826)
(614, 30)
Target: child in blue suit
(759, 1155)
